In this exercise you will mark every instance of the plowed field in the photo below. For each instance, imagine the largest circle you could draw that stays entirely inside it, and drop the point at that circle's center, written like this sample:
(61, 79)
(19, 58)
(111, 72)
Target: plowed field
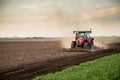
(21, 60)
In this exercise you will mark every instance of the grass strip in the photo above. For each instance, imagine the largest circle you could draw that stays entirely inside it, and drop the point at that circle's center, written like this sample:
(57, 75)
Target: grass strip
(106, 68)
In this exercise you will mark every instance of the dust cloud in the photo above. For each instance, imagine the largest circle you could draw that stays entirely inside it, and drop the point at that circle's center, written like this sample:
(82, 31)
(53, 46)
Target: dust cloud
(100, 44)
(66, 42)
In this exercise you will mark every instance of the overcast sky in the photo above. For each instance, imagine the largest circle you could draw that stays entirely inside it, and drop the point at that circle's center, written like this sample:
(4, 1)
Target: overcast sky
(55, 18)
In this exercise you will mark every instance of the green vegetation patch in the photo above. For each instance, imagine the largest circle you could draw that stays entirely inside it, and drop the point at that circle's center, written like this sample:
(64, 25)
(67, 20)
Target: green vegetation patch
(106, 68)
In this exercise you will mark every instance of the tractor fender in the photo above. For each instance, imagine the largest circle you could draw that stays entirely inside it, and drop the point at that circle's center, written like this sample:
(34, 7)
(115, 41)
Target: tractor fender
(90, 40)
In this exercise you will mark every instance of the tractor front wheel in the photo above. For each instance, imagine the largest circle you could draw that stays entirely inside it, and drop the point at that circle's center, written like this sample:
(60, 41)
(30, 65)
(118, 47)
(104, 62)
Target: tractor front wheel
(92, 45)
(73, 44)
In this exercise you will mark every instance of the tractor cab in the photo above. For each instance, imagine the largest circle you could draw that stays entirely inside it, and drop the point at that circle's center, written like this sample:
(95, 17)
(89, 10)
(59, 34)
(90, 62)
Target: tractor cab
(83, 34)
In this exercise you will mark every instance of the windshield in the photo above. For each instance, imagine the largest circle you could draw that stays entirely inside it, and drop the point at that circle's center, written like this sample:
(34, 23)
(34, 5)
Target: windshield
(85, 35)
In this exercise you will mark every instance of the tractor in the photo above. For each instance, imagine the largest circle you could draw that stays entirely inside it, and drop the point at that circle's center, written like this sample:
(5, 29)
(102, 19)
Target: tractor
(83, 40)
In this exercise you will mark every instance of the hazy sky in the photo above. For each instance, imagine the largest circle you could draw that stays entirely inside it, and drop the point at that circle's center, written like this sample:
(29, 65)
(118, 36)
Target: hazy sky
(52, 18)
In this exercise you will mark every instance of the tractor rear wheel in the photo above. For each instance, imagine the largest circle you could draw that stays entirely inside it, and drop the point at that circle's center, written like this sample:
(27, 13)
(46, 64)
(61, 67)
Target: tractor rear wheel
(92, 45)
(73, 44)
(86, 45)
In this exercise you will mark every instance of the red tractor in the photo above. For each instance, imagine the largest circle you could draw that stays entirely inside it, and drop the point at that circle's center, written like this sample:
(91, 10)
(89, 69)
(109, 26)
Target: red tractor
(83, 40)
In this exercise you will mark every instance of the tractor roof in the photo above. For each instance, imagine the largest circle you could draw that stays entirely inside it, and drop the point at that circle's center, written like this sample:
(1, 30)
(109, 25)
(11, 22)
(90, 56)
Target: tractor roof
(82, 31)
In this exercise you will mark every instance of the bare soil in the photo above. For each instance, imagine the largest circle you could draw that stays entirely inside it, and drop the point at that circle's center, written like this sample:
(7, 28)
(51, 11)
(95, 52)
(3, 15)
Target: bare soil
(26, 60)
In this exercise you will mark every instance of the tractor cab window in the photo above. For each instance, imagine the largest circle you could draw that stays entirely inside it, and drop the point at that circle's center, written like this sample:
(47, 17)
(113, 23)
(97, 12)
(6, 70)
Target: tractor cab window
(84, 35)
(87, 35)
(78, 35)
